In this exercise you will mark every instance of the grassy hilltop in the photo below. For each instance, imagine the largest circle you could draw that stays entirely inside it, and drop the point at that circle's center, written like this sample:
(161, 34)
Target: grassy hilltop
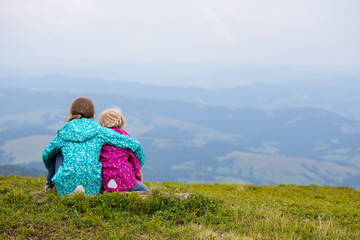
(217, 211)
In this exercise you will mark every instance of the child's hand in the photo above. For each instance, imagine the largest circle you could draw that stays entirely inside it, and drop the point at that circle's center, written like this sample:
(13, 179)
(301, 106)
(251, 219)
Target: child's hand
(141, 176)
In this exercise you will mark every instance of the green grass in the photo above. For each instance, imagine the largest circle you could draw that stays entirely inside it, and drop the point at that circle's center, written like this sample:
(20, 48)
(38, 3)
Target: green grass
(216, 211)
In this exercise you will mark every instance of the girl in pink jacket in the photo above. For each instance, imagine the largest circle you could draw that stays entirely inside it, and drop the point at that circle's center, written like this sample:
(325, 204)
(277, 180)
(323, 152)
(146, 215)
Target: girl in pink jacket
(121, 170)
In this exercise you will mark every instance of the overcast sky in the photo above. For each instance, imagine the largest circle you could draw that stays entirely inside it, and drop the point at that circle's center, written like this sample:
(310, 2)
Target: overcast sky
(306, 32)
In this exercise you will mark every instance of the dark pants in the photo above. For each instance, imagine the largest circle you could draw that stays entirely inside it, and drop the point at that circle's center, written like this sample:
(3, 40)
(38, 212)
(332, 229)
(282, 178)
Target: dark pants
(55, 163)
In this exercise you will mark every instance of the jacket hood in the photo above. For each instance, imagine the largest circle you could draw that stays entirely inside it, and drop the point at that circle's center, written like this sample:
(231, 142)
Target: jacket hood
(79, 130)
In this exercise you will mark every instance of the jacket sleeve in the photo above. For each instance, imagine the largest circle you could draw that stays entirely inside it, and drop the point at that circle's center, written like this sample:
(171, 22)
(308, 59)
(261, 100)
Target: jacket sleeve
(50, 151)
(122, 141)
(135, 165)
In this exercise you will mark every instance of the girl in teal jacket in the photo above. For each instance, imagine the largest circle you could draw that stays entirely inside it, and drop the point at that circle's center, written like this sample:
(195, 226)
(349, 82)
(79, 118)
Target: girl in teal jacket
(80, 141)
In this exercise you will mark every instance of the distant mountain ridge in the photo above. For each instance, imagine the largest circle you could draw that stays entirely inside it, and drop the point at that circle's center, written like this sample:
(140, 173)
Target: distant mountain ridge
(196, 142)
(339, 95)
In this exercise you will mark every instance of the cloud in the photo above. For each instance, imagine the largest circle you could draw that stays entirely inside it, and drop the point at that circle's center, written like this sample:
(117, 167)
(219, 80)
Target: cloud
(218, 26)
(272, 32)
(44, 18)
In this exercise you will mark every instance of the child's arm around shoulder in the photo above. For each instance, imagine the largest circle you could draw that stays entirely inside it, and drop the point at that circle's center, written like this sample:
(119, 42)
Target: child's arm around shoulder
(122, 141)
(51, 150)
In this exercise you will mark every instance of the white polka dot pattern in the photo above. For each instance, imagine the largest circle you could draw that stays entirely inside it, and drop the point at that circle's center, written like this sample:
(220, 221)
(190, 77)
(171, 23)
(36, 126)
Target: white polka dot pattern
(80, 142)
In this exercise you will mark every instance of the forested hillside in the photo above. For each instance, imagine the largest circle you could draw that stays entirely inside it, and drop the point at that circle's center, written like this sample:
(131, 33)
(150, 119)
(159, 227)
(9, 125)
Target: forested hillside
(193, 142)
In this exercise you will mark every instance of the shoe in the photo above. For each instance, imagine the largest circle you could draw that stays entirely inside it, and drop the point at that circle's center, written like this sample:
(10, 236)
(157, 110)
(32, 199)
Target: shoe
(48, 186)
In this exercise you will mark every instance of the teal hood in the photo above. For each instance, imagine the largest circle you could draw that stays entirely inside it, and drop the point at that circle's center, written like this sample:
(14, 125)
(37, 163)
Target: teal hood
(79, 130)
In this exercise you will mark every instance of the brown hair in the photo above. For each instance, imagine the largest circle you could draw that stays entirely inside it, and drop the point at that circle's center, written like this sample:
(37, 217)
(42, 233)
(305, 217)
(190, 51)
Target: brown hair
(81, 107)
(112, 118)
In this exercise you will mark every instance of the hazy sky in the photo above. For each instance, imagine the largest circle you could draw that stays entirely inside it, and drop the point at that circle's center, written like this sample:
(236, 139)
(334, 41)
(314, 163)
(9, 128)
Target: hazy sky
(321, 32)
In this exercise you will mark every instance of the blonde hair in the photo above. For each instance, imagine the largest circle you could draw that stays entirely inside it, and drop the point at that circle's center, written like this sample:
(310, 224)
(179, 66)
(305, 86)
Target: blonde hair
(81, 107)
(112, 118)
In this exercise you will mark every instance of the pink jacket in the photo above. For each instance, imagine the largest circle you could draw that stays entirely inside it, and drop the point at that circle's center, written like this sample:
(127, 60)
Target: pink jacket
(120, 168)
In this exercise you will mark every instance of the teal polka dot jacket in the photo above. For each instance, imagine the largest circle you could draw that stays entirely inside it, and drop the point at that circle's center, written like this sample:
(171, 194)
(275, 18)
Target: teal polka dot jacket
(80, 142)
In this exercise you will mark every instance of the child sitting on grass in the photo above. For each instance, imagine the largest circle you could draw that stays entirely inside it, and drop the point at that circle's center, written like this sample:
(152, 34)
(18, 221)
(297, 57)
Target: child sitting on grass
(80, 141)
(121, 170)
